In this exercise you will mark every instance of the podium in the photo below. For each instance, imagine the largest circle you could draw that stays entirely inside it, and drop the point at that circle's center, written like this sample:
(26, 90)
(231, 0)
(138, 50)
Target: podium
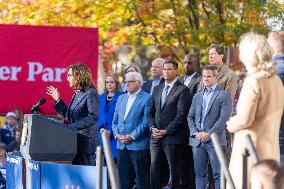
(44, 139)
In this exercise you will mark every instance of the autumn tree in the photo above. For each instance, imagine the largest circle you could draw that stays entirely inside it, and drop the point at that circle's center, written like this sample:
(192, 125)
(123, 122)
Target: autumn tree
(178, 25)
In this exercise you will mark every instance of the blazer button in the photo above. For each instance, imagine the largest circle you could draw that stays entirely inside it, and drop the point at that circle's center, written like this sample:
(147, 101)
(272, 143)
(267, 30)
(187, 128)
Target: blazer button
(106, 123)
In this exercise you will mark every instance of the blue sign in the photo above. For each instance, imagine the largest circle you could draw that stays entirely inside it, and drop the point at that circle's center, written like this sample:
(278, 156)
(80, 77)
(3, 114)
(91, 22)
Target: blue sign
(14, 172)
(69, 176)
(33, 174)
(42, 175)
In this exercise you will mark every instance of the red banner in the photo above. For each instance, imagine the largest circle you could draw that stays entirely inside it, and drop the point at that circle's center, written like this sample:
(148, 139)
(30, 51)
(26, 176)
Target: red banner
(34, 57)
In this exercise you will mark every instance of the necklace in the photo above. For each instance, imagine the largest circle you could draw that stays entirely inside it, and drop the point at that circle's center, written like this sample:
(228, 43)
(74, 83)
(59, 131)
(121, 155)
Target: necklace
(109, 97)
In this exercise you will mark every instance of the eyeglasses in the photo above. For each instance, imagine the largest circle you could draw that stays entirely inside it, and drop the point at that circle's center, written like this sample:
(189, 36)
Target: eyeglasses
(130, 81)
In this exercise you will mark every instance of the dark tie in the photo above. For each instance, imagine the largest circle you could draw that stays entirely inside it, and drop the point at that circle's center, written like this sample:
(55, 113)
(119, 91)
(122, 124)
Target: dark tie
(164, 95)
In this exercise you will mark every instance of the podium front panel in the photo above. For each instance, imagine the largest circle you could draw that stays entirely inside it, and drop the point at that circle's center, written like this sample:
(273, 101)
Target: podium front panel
(44, 139)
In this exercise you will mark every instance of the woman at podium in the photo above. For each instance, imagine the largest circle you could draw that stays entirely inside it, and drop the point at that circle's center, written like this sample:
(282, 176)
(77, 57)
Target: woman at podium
(82, 112)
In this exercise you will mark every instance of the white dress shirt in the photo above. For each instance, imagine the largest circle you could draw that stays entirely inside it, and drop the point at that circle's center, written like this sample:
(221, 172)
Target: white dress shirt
(130, 101)
(188, 79)
(171, 84)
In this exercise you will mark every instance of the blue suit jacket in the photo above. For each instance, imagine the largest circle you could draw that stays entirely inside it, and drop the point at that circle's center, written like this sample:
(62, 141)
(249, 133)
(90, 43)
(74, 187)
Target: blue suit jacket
(135, 123)
(218, 112)
(106, 115)
(83, 117)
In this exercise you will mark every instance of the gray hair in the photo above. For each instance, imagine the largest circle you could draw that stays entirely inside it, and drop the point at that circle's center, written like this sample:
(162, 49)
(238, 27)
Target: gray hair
(159, 60)
(136, 75)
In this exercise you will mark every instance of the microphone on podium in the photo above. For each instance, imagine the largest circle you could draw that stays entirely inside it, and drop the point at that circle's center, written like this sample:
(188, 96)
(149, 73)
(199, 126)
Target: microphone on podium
(35, 108)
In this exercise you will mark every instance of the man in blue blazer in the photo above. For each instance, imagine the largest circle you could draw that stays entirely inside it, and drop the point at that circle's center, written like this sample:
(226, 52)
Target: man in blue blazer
(130, 128)
(210, 109)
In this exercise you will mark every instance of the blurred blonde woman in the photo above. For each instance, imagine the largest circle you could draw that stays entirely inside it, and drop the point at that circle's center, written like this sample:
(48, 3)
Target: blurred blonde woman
(259, 108)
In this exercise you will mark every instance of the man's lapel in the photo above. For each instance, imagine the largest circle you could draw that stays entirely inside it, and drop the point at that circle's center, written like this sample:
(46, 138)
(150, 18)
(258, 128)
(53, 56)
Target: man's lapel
(172, 91)
(222, 72)
(198, 104)
(158, 96)
(212, 99)
(193, 79)
(77, 100)
(134, 103)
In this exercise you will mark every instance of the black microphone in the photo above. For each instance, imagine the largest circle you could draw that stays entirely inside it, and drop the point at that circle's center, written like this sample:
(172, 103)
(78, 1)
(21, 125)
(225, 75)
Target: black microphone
(35, 108)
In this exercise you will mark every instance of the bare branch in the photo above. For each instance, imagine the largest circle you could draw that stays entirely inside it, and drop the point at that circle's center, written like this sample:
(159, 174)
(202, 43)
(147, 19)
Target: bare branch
(179, 34)
(193, 7)
(189, 17)
(220, 11)
(205, 10)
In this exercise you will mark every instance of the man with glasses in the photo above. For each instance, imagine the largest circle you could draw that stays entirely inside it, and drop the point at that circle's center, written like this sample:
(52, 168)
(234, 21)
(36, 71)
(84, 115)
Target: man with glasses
(130, 129)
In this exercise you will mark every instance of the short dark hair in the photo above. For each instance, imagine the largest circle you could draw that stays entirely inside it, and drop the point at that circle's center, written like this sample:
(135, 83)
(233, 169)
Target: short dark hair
(174, 63)
(213, 68)
(219, 49)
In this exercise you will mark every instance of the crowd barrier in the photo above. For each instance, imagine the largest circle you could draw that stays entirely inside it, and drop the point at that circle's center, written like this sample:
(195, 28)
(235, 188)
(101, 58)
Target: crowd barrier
(225, 173)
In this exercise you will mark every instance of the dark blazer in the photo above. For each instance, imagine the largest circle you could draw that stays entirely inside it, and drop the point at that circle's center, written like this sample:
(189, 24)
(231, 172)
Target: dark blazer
(82, 113)
(218, 112)
(106, 115)
(172, 117)
(193, 84)
(148, 84)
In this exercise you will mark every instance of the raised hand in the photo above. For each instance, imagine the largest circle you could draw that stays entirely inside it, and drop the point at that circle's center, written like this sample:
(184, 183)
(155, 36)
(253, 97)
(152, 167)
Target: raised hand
(53, 92)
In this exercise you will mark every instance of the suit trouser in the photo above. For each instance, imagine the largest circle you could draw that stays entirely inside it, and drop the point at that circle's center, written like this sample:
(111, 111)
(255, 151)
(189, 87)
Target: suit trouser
(134, 164)
(202, 155)
(187, 171)
(173, 153)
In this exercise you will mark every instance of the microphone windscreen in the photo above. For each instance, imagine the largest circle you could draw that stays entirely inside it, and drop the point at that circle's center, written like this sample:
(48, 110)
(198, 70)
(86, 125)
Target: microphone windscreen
(42, 100)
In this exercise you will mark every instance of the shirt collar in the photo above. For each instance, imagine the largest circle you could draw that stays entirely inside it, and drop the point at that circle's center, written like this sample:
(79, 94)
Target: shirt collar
(211, 88)
(190, 76)
(134, 94)
(171, 84)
